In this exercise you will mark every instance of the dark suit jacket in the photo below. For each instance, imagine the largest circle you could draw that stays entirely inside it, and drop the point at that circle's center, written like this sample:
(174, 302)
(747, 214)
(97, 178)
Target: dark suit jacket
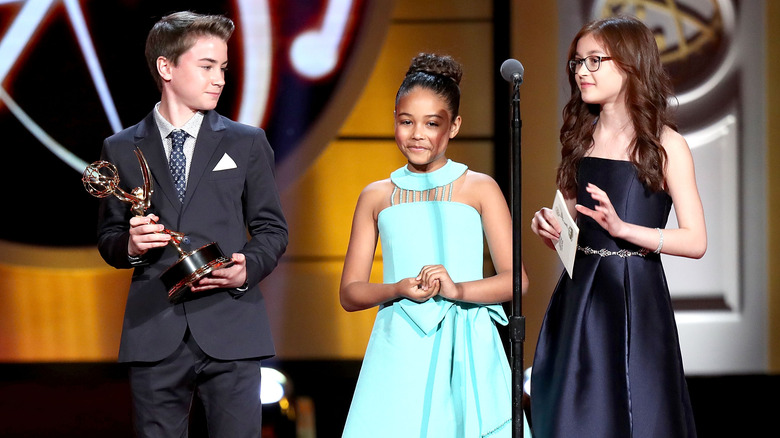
(237, 208)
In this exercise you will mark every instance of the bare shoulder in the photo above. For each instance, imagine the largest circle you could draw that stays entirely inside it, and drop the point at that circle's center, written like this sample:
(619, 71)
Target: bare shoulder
(376, 196)
(478, 189)
(378, 187)
(479, 180)
(673, 142)
(377, 190)
(679, 164)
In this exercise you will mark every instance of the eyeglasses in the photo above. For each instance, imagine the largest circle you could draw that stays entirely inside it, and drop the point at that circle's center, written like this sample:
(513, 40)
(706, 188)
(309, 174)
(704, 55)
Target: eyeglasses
(592, 63)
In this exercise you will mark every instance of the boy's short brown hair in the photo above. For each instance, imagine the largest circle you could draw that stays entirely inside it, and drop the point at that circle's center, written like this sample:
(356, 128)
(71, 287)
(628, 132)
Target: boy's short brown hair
(176, 33)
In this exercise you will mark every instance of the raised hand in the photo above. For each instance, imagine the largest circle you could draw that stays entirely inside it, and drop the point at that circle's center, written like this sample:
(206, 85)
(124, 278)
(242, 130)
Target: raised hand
(604, 213)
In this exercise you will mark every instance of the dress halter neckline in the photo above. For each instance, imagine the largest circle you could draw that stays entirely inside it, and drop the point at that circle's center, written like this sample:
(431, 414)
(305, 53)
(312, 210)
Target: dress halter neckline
(408, 180)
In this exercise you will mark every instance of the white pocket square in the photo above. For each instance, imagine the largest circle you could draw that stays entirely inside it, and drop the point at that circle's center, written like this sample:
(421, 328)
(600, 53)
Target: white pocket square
(225, 163)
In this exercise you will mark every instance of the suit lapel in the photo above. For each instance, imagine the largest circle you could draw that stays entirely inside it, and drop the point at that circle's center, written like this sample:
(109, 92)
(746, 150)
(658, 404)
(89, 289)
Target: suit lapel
(147, 138)
(211, 132)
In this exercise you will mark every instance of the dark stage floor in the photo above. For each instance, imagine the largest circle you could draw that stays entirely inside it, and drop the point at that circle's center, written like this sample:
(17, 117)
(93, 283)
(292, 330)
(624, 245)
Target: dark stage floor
(93, 400)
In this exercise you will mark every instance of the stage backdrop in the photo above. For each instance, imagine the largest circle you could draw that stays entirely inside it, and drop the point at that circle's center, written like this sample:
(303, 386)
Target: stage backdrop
(73, 72)
(714, 52)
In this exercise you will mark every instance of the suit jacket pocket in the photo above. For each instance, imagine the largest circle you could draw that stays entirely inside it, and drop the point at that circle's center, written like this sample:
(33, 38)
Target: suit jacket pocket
(226, 174)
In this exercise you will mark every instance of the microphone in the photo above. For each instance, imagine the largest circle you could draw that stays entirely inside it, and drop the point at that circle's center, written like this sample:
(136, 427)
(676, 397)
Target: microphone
(512, 71)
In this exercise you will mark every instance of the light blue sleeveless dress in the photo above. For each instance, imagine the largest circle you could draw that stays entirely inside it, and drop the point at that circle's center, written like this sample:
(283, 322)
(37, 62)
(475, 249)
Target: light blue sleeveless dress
(437, 368)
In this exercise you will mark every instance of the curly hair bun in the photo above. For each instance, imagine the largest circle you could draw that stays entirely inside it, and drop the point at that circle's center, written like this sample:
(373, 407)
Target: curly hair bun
(440, 65)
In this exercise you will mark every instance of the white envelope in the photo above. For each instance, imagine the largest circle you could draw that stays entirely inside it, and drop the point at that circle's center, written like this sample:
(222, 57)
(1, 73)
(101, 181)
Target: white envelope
(570, 232)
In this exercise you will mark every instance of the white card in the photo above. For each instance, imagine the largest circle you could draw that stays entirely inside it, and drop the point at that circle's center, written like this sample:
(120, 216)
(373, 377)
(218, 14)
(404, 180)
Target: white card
(570, 232)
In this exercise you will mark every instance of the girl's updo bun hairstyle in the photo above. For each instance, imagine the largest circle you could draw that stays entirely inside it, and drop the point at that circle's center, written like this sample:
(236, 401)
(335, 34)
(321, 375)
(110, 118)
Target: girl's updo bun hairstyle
(438, 73)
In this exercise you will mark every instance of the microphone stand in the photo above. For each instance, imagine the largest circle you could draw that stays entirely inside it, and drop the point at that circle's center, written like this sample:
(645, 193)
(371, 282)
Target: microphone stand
(516, 320)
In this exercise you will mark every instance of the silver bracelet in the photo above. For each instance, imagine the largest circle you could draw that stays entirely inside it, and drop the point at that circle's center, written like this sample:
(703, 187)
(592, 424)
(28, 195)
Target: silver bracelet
(660, 241)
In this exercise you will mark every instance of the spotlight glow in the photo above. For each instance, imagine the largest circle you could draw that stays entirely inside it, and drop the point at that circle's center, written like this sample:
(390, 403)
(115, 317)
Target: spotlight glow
(271, 386)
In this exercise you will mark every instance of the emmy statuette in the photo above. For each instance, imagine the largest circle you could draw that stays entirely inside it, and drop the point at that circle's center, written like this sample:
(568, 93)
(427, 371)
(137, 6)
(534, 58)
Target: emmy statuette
(101, 179)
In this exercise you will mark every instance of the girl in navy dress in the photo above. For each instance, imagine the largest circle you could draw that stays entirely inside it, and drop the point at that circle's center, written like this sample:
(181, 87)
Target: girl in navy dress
(608, 361)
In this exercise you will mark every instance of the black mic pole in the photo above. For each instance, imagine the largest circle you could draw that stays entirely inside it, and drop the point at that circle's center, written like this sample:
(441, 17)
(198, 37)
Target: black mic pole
(512, 71)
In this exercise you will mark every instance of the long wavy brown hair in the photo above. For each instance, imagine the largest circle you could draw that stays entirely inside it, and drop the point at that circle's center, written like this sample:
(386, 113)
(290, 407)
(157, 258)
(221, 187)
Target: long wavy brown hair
(648, 89)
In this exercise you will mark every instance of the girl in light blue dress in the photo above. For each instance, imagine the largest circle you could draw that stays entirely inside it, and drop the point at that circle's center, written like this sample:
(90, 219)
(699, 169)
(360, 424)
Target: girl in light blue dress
(435, 365)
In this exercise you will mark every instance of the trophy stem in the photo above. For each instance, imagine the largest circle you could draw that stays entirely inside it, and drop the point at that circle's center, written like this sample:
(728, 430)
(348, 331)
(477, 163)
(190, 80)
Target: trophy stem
(176, 239)
(177, 244)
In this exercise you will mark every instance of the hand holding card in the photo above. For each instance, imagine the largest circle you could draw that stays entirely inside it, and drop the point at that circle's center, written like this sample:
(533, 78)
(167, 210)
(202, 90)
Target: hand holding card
(566, 246)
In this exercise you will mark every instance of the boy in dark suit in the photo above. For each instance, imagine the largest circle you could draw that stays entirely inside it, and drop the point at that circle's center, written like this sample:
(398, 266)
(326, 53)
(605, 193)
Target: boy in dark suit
(214, 182)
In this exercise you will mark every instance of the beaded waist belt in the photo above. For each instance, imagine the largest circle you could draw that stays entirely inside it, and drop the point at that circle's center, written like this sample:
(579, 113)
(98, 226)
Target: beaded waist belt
(622, 253)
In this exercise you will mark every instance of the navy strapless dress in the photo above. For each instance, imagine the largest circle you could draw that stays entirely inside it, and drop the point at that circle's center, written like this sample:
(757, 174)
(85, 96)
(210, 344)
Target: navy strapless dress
(608, 363)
